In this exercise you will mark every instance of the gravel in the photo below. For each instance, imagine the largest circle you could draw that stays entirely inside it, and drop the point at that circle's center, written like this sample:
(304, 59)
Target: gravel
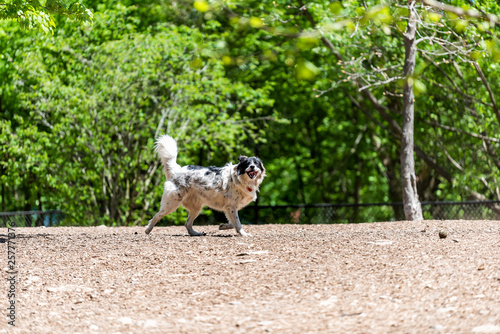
(396, 277)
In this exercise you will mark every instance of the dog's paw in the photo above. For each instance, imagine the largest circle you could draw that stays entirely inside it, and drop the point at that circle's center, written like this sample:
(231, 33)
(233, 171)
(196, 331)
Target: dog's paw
(148, 230)
(245, 234)
(226, 227)
(196, 234)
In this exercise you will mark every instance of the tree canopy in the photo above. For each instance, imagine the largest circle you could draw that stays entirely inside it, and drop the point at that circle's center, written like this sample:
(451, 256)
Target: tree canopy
(34, 15)
(313, 88)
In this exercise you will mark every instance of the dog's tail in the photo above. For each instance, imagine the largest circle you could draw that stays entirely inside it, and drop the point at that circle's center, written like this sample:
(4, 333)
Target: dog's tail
(166, 147)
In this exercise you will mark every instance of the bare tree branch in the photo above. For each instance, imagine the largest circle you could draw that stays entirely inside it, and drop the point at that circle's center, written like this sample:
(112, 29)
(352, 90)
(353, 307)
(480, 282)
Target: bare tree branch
(380, 83)
(459, 91)
(452, 129)
(486, 84)
(460, 11)
(325, 40)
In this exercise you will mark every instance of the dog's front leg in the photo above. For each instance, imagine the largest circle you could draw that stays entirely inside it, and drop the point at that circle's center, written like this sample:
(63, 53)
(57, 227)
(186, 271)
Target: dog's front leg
(232, 216)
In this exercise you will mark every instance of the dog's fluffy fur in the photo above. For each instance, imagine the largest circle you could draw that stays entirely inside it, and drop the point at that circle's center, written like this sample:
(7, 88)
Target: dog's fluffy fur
(227, 189)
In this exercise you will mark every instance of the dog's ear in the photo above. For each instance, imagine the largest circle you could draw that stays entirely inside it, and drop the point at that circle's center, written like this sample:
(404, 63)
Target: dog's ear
(242, 157)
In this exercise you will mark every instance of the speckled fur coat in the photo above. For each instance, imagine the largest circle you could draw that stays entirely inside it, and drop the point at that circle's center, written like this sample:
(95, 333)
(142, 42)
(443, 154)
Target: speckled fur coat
(227, 189)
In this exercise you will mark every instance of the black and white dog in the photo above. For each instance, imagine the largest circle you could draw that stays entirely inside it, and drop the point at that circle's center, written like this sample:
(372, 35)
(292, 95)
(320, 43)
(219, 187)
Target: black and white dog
(227, 189)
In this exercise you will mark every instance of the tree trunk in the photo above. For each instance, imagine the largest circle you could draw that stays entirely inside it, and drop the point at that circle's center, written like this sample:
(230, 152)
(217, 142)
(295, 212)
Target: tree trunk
(412, 207)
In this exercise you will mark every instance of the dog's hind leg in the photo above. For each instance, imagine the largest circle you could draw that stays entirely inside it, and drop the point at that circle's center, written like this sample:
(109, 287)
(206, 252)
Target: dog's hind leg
(193, 213)
(227, 226)
(166, 208)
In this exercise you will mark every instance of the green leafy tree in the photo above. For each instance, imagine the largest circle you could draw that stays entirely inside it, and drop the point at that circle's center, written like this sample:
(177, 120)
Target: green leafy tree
(34, 15)
(99, 97)
(365, 39)
(81, 108)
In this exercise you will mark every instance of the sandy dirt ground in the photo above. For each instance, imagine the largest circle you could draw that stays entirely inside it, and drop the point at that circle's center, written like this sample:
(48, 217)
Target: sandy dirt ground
(397, 277)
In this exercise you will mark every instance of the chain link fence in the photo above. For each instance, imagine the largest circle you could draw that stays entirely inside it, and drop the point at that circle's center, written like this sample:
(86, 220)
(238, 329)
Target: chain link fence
(31, 218)
(366, 213)
(302, 214)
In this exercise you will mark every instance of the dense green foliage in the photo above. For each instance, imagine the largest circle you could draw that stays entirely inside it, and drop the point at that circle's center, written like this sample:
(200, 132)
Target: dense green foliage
(35, 15)
(313, 88)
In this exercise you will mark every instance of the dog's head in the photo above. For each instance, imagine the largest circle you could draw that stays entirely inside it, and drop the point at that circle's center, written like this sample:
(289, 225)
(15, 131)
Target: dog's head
(250, 169)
